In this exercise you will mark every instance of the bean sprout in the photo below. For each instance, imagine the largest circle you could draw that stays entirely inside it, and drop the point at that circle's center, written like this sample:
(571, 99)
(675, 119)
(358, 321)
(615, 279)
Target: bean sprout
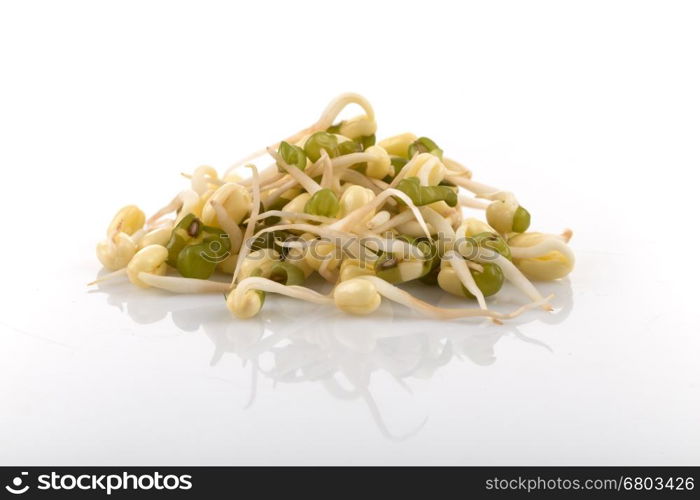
(366, 215)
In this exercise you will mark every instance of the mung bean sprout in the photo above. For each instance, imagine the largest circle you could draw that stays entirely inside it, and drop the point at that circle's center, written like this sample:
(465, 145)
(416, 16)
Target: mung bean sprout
(367, 215)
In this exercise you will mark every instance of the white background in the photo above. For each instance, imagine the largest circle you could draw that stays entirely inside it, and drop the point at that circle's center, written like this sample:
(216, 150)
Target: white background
(589, 111)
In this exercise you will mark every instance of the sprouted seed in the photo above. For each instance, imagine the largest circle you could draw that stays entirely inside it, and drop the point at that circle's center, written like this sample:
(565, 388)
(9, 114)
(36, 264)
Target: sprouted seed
(367, 215)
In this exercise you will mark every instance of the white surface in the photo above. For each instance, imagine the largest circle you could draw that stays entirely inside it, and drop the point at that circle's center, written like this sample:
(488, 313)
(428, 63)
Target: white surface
(588, 111)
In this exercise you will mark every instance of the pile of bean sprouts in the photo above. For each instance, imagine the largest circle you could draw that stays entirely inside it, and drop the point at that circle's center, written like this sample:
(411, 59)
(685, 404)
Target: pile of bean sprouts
(365, 215)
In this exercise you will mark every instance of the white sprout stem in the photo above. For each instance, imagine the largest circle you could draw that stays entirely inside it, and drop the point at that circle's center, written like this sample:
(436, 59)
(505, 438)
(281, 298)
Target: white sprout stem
(465, 276)
(468, 201)
(255, 210)
(296, 292)
(109, 276)
(306, 182)
(391, 245)
(441, 225)
(357, 178)
(544, 304)
(177, 284)
(413, 229)
(326, 120)
(309, 228)
(475, 187)
(425, 169)
(295, 215)
(399, 177)
(210, 180)
(424, 176)
(513, 275)
(185, 199)
(327, 180)
(267, 174)
(337, 175)
(293, 244)
(201, 178)
(342, 172)
(324, 231)
(277, 193)
(160, 223)
(394, 221)
(379, 183)
(350, 243)
(246, 159)
(274, 181)
(474, 265)
(381, 217)
(504, 196)
(325, 273)
(317, 168)
(138, 235)
(454, 165)
(402, 297)
(189, 204)
(256, 194)
(338, 104)
(112, 238)
(351, 159)
(234, 233)
(354, 217)
(455, 219)
(553, 244)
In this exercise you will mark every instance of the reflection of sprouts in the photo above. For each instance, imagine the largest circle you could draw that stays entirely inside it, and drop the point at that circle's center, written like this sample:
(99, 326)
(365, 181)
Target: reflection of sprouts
(344, 357)
(364, 215)
(346, 362)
